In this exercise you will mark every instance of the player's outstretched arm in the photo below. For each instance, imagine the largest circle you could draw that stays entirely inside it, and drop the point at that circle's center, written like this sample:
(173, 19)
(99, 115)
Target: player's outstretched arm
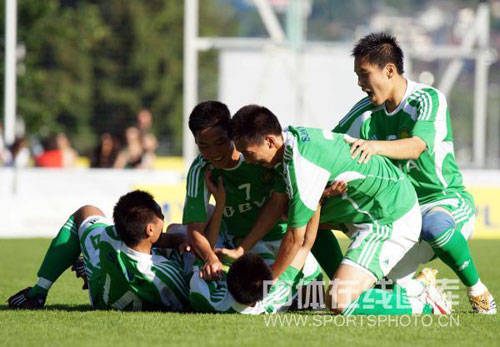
(296, 245)
(290, 245)
(200, 244)
(310, 236)
(410, 148)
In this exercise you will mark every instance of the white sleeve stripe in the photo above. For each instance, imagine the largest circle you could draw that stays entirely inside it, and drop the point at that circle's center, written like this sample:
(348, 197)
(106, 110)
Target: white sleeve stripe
(192, 184)
(190, 177)
(354, 110)
(425, 109)
(363, 103)
(430, 107)
(425, 103)
(174, 277)
(419, 98)
(288, 181)
(196, 180)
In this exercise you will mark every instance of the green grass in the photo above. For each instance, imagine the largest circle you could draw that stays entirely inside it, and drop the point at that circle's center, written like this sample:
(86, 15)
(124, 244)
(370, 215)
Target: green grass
(69, 319)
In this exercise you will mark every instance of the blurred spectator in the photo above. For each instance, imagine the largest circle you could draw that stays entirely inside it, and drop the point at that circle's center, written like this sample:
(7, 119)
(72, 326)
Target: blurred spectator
(20, 153)
(57, 152)
(149, 144)
(144, 121)
(69, 155)
(51, 155)
(104, 155)
(130, 157)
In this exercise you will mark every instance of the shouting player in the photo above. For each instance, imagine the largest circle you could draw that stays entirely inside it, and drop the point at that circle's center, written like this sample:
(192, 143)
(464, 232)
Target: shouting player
(409, 123)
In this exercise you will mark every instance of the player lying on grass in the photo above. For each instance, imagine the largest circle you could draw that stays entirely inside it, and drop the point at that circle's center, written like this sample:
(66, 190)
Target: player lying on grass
(409, 123)
(379, 210)
(256, 198)
(242, 288)
(124, 270)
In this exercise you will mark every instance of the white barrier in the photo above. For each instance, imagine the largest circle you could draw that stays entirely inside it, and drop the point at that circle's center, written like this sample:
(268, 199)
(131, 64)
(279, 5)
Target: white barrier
(35, 202)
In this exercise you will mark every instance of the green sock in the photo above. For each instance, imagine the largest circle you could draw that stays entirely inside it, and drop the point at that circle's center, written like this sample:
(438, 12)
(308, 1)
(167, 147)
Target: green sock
(326, 250)
(381, 302)
(62, 253)
(452, 248)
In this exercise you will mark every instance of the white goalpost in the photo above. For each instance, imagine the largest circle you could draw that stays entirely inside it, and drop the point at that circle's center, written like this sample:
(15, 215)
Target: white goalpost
(296, 58)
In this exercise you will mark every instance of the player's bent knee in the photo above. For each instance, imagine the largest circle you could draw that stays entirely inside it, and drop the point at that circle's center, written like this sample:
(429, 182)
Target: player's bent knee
(337, 300)
(435, 223)
(84, 212)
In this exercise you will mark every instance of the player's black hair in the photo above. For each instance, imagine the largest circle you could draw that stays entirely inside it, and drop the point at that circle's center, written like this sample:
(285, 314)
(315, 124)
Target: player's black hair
(252, 123)
(132, 213)
(381, 49)
(209, 114)
(245, 279)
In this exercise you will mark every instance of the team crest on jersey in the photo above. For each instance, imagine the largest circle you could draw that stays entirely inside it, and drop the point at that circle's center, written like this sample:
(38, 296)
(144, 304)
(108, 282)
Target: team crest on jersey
(267, 177)
(404, 133)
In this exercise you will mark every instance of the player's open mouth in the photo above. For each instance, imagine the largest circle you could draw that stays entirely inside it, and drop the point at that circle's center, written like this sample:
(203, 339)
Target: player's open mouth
(218, 158)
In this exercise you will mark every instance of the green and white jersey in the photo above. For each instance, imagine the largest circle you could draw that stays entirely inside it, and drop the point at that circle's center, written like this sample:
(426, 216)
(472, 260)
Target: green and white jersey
(130, 280)
(377, 191)
(423, 112)
(248, 187)
(214, 296)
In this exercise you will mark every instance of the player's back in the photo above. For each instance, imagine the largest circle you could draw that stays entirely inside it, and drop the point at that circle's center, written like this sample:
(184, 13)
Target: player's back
(130, 280)
(376, 190)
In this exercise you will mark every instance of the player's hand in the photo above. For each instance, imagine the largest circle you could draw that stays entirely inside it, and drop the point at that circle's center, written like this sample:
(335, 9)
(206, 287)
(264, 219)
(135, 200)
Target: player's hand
(212, 269)
(218, 191)
(229, 255)
(364, 148)
(334, 189)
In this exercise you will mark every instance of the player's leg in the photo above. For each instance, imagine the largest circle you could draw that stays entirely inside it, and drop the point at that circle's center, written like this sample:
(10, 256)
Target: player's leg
(61, 254)
(447, 229)
(327, 251)
(439, 230)
(352, 293)
(92, 224)
(374, 251)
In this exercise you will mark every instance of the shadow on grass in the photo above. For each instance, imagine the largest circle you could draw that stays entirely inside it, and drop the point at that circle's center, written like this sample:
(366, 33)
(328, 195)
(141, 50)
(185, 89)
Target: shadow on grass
(67, 308)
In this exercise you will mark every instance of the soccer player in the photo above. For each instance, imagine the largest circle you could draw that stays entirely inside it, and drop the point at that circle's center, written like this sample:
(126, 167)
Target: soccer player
(242, 288)
(409, 123)
(256, 199)
(125, 272)
(379, 209)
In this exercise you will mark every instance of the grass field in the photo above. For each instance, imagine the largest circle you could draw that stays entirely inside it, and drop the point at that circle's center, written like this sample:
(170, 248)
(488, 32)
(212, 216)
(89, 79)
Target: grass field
(69, 320)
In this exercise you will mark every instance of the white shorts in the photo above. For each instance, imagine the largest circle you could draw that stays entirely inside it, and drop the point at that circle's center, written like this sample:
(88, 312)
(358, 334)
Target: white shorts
(376, 249)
